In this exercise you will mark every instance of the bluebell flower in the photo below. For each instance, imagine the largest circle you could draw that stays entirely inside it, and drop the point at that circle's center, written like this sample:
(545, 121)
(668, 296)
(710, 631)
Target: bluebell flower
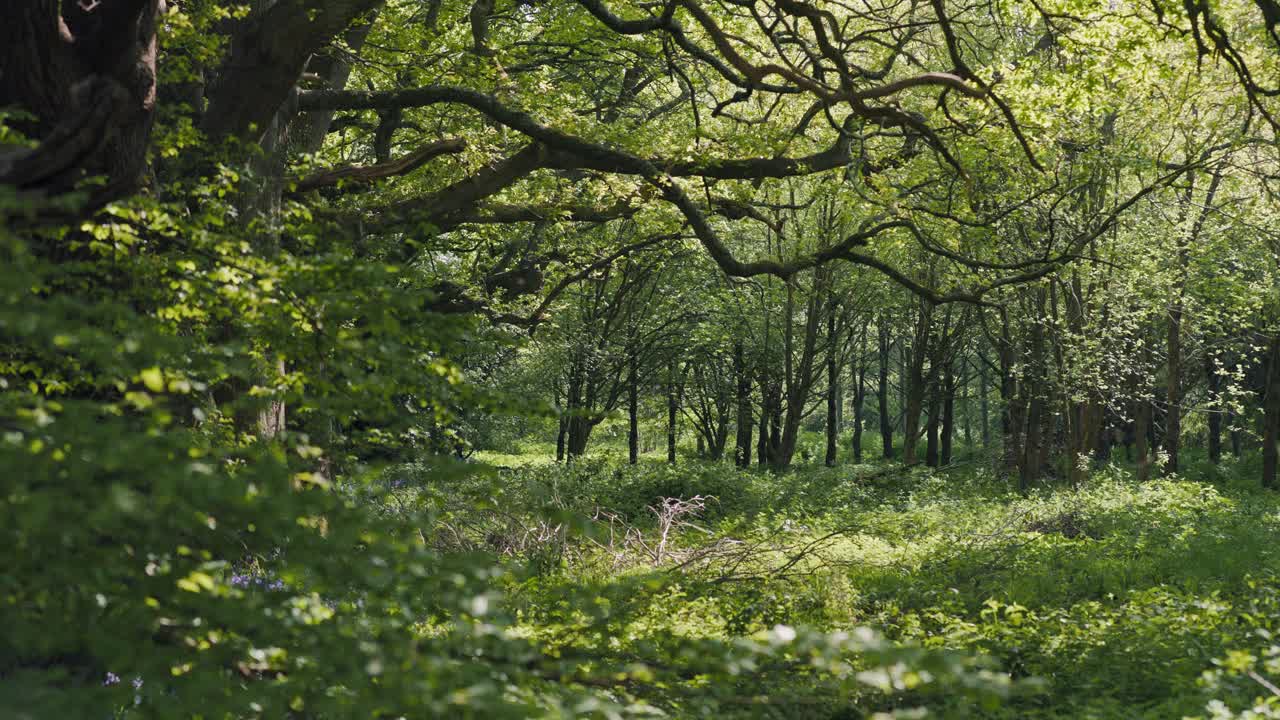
(245, 581)
(112, 679)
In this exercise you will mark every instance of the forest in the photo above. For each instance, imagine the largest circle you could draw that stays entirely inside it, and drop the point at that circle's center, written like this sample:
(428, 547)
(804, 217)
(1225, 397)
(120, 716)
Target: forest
(824, 359)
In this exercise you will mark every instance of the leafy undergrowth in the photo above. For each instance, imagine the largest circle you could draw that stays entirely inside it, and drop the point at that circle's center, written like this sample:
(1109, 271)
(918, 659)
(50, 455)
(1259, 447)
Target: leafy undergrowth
(1115, 600)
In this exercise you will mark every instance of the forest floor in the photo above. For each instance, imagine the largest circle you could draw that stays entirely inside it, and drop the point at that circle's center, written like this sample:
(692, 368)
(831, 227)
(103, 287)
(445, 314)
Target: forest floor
(1113, 600)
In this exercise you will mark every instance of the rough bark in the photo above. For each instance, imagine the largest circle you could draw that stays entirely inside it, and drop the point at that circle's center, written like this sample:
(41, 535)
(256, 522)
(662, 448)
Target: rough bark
(916, 385)
(87, 72)
(268, 52)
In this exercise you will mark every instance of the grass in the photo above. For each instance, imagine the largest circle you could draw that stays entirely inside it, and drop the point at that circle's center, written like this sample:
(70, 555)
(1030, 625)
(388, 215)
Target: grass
(1121, 600)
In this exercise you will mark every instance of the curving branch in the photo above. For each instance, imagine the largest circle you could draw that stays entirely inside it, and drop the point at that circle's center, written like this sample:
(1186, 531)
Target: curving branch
(365, 174)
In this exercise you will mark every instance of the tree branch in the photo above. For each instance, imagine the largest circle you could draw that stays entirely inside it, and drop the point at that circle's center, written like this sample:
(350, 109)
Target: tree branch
(364, 174)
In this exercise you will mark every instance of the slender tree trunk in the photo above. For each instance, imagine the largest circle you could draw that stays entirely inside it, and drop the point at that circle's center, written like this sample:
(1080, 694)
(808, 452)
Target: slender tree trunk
(1012, 415)
(983, 405)
(721, 438)
(1173, 392)
(762, 439)
(799, 380)
(1141, 435)
(833, 388)
(1271, 415)
(859, 377)
(673, 408)
(948, 427)
(932, 427)
(633, 408)
(882, 390)
(742, 448)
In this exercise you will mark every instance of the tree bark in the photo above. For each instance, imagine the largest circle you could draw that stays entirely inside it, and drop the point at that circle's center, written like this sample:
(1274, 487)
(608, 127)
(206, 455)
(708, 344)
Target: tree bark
(742, 448)
(882, 390)
(1141, 435)
(932, 427)
(859, 377)
(833, 387)
(915, 383)
(633, 408)
(673, 409)
(87, 72)
(266, 58)
(983, 404)
(948, 427)
(1271, 416)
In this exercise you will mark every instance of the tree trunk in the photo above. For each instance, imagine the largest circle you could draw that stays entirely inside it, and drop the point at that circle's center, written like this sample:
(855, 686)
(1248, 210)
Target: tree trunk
(913, 405)
(720, 440)
(882, 390)
(1271, 415)
(948, 415)
(1173, 392)
(932, 426)
(799, 380)
(578, 434)
(859, 377)
(742, 448)
(1141, 434)
(673, 408)
(633, 408)
(762, 439)
(983, 405)
(833, 388)
(87, 73)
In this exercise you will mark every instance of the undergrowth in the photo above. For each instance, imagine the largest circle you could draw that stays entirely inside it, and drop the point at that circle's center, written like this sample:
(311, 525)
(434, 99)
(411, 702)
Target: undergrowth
(1112, 600)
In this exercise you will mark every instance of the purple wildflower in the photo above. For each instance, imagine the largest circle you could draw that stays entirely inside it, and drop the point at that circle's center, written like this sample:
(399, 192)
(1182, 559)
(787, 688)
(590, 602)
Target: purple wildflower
(244, 582)
(112, 679)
